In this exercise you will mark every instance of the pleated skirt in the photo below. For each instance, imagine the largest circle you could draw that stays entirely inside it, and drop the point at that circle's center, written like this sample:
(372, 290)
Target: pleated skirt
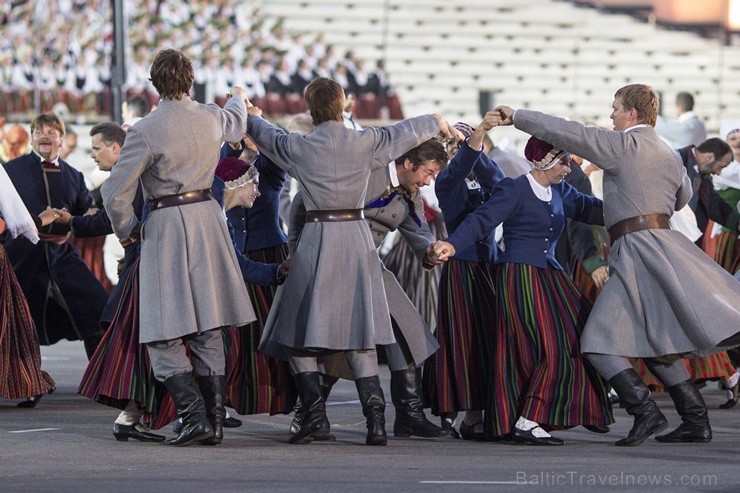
(20, 358)
(727, 251)
(454, 377)
(538, 371)
(713, 367)
(257, 383)
(420, 284)
(120, 370)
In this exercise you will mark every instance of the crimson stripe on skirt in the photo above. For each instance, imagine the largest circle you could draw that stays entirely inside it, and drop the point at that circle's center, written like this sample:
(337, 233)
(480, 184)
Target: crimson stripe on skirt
(454, 375)
(256, 383)
(538, 371)
(20, 358)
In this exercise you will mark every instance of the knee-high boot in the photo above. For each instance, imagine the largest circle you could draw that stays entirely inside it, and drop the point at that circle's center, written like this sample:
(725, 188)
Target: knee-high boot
(190, 408)
(315, 424)
(635, 395)
(406, 397)
(373, 407)
(690, 405)
(212, 388)
(299, 411)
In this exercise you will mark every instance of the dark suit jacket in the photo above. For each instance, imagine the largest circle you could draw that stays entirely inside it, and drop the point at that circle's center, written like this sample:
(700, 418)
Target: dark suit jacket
(72, 307)
(706, 202)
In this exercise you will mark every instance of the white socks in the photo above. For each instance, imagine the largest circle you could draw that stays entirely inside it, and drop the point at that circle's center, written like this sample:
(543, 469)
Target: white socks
(130, 415)
(526, 425)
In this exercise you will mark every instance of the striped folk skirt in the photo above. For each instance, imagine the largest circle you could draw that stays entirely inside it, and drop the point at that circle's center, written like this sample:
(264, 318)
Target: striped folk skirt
(420, 284)
(454, 377)
(120, 370)
(538, 371)
(727, 252)
(713, 367)
(20, 358)
(256, 383)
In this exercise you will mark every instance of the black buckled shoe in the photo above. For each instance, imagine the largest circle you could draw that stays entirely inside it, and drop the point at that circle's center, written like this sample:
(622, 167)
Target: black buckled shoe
(732, 401)
(136, 431)
(447, 420)
(528, 437)
(467, 432)
(32, 401)
(232, 422)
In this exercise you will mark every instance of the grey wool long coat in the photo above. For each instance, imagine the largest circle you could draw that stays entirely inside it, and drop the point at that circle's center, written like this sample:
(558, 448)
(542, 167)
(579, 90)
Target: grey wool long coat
(393, 216)
(333, 298)
(189, 279)
(397, 215)
(664, 295)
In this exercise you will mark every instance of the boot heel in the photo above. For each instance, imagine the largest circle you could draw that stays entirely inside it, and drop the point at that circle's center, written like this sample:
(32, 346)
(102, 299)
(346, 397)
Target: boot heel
(121, 437)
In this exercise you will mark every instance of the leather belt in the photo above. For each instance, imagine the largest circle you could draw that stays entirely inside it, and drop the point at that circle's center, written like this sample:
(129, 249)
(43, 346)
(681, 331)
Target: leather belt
(638, 223)
(56, 239)
(128, 241)
(330, 216)
(180, 199)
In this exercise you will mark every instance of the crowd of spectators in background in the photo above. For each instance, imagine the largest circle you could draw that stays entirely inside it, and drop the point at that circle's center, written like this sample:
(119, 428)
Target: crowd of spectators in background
(230, 41)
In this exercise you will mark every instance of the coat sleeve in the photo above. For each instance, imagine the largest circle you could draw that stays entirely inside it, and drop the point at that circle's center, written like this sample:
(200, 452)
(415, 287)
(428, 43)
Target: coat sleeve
(272, 141)
(233, 119)
(488, 172)
(504, 200)
(393, 141)
(97, 224)
(418, 237)
(297, 220)
(597, 145)
(581, 207)
(459, 167)
(119, 190)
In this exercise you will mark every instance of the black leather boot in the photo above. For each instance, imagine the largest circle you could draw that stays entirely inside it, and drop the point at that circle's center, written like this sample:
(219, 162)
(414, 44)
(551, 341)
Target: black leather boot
(694, 419)
(299, 412)
(635, 395)
(190, 408)
(406, 397)
(373, 407)
(315, 424)
(212, 388)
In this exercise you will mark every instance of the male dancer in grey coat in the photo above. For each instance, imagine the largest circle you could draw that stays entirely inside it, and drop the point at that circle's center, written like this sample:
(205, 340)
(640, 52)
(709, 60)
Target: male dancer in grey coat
(334, 300)
(190, 281)
(394, 203)
(645, 310)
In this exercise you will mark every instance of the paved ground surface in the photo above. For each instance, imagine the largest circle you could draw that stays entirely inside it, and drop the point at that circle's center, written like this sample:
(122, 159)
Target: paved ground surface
(66, 445)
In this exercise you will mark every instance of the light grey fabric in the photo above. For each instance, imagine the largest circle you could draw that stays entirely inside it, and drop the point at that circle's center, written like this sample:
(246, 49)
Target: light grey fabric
(334, 296)
(608, 365)
(669, 374)
(169, 358)
(363, 363)
(302, 361)
(190, 280)
(680, 133)
(664, 295)
(418, 339)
